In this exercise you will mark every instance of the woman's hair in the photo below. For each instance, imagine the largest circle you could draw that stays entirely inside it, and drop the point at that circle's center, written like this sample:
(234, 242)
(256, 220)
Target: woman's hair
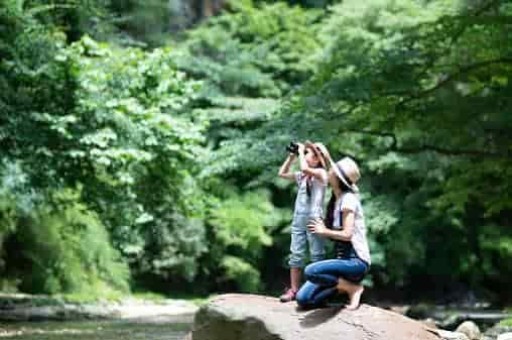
(329, 213)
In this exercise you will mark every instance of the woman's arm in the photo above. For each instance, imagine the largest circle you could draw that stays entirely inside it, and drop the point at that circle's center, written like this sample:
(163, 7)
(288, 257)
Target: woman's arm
(330, 163)
(318, 227)
(284, 170)
(318, 173)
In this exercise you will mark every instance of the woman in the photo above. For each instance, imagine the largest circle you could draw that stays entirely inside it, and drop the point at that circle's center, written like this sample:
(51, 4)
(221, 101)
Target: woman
(347, 229)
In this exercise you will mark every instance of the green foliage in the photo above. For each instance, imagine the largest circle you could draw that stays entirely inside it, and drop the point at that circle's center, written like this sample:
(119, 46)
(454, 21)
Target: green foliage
(506, 323)
(146, 22)
(246, 276)
(253, 52)
(111, 122)
(67, 250)
(16, 199)
(253, 211)
(241, 225)
(242, 57)
(418, 94)
(130, 133)
(169, 155)
(74, 18)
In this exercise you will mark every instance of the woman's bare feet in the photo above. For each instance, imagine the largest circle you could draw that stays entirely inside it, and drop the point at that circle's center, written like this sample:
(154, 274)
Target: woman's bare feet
(354, 292)
(355, 298)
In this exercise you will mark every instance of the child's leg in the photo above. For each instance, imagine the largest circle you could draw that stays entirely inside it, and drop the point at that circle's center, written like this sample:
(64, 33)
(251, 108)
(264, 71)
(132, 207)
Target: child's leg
(295, 278)
(297, 250)
(316, 247)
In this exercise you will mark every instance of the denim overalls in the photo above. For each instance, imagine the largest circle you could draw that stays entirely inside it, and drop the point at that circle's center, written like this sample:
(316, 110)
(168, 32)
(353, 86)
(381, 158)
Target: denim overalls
(308, 205)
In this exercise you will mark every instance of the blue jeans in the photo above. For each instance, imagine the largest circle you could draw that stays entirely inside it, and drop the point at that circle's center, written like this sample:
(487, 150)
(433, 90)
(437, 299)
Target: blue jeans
(323, 277)
(301, 238)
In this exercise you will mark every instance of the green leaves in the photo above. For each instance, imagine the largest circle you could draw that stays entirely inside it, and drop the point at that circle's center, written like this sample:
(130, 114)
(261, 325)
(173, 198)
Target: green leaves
(241, 220)
(417, 93)
(242, 223)
(262, 52)
(112, 122)
(246, 276)
(68, 249)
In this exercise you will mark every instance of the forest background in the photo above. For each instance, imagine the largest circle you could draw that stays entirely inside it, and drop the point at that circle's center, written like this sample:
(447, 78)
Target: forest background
(140, 141)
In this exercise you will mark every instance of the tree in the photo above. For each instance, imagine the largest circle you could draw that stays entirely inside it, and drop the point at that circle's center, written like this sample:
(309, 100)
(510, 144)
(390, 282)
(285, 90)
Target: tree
(419, 94)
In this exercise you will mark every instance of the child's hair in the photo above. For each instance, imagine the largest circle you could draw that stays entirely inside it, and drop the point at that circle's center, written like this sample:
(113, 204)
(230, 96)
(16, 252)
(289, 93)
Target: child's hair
(308, 184)
(317, 155)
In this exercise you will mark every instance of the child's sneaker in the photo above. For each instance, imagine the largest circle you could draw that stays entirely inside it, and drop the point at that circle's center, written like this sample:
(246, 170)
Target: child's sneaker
(288, 296)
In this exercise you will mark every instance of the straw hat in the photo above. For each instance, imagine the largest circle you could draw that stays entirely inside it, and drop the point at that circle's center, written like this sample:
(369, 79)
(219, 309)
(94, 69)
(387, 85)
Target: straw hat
(315, 147)
(348, 172)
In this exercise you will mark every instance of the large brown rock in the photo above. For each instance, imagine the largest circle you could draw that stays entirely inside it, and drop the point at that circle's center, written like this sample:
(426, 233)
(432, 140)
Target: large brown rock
(253, 317)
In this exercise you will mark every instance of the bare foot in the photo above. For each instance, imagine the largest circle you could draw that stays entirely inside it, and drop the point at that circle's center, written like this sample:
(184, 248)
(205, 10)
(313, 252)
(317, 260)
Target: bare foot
(354, 296)
(353, 290)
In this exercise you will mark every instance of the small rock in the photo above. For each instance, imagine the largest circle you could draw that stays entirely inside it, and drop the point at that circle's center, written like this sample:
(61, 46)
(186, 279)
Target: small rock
(505, 336)
(430, 323)
(447, 335)
(493, 332)
(470, 329)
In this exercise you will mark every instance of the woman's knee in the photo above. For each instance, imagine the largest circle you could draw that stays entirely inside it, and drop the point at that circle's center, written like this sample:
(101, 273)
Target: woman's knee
(312, 270)
(302, 298)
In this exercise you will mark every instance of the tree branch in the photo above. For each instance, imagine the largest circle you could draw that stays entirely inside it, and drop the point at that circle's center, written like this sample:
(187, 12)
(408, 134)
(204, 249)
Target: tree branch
(429, 147)
(451, 77)
(452, 152)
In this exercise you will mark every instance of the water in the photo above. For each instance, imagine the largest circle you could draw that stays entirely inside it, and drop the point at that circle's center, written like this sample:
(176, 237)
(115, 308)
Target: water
(96, 330)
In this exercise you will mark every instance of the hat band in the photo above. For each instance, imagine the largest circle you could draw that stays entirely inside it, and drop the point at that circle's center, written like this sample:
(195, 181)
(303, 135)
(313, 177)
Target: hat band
(345, 177)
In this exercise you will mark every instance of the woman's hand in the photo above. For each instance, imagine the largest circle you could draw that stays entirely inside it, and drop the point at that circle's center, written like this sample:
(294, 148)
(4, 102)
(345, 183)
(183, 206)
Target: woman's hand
(318, 227)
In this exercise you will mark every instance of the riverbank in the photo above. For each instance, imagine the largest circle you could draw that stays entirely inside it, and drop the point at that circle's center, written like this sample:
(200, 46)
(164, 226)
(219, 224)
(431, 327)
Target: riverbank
(23, 307)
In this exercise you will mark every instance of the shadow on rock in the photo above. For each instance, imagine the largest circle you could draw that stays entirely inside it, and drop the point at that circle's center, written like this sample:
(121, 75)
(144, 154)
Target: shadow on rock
(319, 316)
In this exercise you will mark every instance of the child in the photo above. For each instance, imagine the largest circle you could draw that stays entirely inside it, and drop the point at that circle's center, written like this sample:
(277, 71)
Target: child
(312, 181)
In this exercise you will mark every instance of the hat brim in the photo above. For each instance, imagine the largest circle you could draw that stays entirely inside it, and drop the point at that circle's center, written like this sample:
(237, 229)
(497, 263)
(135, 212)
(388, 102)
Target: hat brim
(317, 152)
(342, 178)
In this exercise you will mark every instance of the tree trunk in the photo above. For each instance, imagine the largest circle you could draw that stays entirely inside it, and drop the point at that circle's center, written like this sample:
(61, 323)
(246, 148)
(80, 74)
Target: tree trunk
(209, 8)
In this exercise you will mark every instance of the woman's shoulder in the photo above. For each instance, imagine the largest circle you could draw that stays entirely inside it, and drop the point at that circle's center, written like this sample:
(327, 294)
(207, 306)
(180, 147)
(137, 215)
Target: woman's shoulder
(349, 195)
(349, 200)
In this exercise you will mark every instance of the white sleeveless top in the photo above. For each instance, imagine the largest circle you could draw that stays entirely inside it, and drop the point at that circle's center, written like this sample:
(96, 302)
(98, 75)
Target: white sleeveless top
(350, 201)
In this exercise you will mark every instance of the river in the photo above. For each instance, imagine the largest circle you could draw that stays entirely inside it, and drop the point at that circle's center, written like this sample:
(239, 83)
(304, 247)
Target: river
(156, 329)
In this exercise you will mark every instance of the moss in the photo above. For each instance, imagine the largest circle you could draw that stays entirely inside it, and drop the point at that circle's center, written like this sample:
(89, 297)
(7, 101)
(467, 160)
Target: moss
(149, 296)
(506, 323)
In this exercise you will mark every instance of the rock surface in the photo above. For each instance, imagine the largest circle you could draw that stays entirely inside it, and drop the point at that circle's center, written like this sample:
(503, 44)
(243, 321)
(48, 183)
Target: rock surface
(470, 329)
(253, 317)
(447, 335)
(498, 332)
